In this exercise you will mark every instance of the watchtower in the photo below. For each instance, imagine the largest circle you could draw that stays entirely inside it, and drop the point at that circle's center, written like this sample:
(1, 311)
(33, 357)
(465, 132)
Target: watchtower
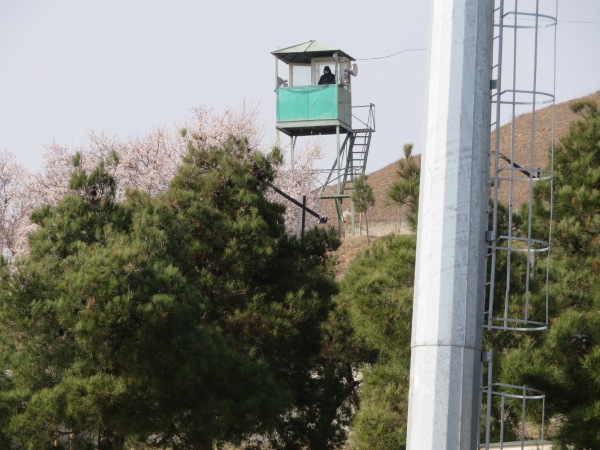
(306, 108)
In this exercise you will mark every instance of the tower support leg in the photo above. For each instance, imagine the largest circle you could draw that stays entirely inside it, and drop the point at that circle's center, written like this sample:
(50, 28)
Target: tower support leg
(292, 148)
(340, 188)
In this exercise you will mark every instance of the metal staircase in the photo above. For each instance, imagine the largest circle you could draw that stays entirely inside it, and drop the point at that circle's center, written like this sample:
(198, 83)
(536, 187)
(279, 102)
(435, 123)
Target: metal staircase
(351, 162)
(360, 140)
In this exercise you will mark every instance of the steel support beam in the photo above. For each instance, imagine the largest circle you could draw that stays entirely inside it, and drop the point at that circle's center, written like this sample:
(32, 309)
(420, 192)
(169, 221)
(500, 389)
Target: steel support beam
(446, 346)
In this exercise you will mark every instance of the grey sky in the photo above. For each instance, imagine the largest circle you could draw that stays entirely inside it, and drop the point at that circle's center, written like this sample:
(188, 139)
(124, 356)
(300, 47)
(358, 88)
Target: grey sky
(123, 66)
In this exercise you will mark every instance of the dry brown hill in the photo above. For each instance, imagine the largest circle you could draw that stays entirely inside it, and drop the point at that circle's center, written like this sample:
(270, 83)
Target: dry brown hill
(386, 217)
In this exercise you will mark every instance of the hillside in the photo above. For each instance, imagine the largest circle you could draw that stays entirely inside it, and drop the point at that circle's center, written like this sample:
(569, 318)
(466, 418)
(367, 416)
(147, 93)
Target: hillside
(386, 217)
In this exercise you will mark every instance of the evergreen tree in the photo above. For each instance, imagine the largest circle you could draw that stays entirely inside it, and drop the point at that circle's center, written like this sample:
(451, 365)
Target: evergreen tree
(180, 321)
(378, 292)
(405, 190)
(565, 361)
(363, 199)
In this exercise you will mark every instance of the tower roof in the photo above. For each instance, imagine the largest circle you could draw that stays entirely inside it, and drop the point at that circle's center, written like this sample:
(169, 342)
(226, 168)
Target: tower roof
(303, 53)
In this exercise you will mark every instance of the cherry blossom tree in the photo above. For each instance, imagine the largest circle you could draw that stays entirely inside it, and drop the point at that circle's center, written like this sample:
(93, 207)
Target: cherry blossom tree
(298, 178)
(146, 162)
(16, 203)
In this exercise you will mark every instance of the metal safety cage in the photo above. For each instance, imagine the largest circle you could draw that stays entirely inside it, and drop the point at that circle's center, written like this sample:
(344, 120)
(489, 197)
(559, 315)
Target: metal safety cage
(517, 405)
(521, 175)
(518, 410)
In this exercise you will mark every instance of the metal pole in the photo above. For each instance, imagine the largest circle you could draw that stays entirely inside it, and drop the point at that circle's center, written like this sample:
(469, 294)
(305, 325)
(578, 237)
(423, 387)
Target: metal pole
(340, 188)
(292, 147)
(303, 215)
(276, 73)
(502, 420)
(352, 214)
(277, 139)
(498, 106)
(488, 414)
(322, 219)
(523, 410)
(446, 347)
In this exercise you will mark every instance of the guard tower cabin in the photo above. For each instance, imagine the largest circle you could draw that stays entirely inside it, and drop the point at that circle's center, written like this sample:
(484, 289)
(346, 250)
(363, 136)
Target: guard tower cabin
(303, 106)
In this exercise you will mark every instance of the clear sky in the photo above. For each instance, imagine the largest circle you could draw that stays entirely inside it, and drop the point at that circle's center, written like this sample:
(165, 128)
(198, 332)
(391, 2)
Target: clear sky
(124, 66)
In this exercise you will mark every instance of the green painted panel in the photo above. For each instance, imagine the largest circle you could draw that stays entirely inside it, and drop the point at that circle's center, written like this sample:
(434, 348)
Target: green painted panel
(307, 103)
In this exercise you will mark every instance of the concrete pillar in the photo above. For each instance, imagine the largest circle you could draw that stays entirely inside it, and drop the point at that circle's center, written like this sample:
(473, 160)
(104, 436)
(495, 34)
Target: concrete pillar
(445, 378)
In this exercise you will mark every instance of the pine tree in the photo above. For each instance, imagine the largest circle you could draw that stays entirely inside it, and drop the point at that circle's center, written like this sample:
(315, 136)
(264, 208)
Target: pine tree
(179, 321)
(565, 361)
(405, 190)
(377, 292)
(363, 199)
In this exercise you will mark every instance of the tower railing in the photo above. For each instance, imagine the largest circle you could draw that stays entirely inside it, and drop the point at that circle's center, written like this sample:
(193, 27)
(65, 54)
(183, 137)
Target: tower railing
(347, 172)
(368, 122)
